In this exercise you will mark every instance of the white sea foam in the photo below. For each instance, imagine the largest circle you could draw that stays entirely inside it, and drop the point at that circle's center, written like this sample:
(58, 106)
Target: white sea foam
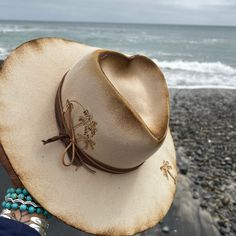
(14, 28)
(3, 53)
(186, 74)
(195, 66)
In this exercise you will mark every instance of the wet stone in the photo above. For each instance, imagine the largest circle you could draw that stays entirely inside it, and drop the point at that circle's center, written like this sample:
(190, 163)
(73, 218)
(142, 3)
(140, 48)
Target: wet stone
(233, 227)
(201, 175)
(197, 181)
(219, 204)
(225, 200)
(207, 196)
(211, 185)
(204, 204)
(224, 231)
(221, 223)
(228, 159)
(165, 229)
(196, 195)
(204, 184)
(183, 169)
(199, 152)
(222, 188)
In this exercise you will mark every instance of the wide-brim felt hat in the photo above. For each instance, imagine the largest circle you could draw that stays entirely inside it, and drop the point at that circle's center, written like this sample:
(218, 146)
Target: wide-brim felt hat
(107, 162)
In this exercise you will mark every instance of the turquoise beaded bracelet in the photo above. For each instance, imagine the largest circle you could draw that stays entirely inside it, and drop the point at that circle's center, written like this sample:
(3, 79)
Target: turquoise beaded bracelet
(19, 198)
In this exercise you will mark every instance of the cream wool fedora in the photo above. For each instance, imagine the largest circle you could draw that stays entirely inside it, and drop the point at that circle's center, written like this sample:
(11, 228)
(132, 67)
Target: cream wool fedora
(107, 162)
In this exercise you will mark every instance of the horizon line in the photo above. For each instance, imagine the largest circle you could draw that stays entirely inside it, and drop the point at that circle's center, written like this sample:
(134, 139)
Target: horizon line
(131, 23)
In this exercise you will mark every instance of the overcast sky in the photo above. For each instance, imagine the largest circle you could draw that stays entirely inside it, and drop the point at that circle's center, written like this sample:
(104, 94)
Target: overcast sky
(206, 12)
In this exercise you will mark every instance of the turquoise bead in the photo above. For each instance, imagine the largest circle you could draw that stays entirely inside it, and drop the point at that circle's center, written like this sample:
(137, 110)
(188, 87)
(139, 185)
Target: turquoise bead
(23, 207)
(18, 190)
(21, 196)
(8, 205)
(3, 204)
(8, 195)
(12, 190)
(45, 213)
(14, 206)
(8, 190)
(29, 198)
(13, 195)
(25, 192)
(31, 209)
(39, 210)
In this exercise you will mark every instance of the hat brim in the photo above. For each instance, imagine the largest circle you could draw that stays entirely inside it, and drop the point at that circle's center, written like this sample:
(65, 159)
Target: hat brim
(100, 203)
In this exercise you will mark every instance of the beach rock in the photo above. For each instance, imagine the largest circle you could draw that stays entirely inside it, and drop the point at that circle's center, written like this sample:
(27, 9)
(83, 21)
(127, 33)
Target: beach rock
(211, 185)
(180, 153)
(201, 175)
(204, 204)
(233, 227)
(221, 223)
(199, 159)
(225, 200)
(224, 231)
(183, 169)
(165, 229)
(199, 152)
(222, 188)
(183, 160)
(207, 196)
(196, 195)
(204, 184)
(197, 181)
(228, 159)
(219, 204)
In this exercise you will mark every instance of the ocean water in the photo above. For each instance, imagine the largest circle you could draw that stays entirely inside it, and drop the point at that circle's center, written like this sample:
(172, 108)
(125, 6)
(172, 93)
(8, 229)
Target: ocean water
(189, 56)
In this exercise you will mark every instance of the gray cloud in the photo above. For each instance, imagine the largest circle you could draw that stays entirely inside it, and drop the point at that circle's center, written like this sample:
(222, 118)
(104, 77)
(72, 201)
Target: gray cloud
(216, 12)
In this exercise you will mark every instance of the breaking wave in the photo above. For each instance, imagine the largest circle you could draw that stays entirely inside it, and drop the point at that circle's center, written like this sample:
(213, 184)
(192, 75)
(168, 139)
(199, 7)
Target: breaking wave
(195, 66)
(194, 74)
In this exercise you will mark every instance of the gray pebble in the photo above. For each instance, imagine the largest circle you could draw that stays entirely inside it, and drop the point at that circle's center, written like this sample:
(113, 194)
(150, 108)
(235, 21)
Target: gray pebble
(183, 169)
(196, 195)
(201, 175)
(224, 230)
(165, 229)
(204, 204)
(199, 152)
(219, 204)
(225, 200)
(222, 188)
(221, 223)
(228, 159)
(233, 227)
(207, 196)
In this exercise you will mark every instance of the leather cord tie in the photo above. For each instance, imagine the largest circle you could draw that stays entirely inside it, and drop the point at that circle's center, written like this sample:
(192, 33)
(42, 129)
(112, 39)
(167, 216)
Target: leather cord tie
(67, 135)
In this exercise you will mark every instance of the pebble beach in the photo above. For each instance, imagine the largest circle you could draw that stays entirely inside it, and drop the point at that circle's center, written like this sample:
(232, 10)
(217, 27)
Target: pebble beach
(203, 128)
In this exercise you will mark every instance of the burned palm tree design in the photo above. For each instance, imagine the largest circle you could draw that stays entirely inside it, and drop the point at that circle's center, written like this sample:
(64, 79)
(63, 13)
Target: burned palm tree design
(86, 122)
(166, 167)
